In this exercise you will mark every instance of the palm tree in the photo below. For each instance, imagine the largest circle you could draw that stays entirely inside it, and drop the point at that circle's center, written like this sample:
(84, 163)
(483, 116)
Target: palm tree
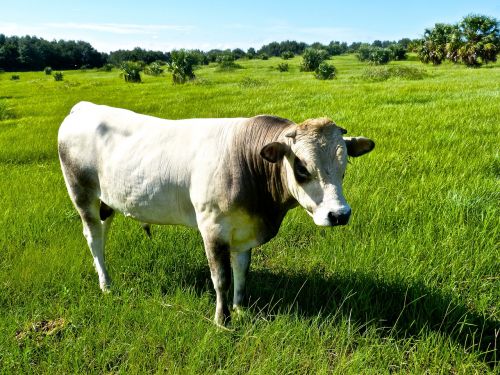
(481, 36)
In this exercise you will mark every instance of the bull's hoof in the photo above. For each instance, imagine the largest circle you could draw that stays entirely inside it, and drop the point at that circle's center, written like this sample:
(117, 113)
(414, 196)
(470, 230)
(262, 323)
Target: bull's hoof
(239, 313)
(105, 288)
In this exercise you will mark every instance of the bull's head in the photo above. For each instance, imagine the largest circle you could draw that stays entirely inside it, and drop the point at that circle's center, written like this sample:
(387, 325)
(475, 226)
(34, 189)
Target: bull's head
(314, 156)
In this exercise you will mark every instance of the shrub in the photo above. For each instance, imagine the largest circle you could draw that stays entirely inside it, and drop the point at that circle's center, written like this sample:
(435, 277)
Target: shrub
(383, 73)
(312, 58)
(287, 55)
(374, 55)
(14, 77)
(48, 70)
(248, 82)
(107, 68)
(182, 66)
(363, 53)
(154, 69)
(58, 76)
(398, 52)
(325, 71)
(380, 56)
(5, 111)
(226, 62)
(283, 67)
(264, 56)
(131, 71)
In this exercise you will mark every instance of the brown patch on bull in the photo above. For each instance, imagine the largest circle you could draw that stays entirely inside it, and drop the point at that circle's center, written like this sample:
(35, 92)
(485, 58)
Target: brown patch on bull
(320, 125)
(251, 182)
(82, 182)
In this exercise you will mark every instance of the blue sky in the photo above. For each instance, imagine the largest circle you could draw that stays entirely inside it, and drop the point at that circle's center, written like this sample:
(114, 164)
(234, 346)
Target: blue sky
(166, 25)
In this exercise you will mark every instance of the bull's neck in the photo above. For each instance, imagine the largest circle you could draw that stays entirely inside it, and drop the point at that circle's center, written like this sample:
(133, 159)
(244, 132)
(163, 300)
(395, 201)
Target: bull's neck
(268, 180)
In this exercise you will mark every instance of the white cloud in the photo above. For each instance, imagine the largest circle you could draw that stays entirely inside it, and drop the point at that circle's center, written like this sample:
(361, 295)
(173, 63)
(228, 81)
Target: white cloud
(116, 28)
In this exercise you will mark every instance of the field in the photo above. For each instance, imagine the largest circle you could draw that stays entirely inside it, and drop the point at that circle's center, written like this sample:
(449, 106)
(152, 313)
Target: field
(411, 285)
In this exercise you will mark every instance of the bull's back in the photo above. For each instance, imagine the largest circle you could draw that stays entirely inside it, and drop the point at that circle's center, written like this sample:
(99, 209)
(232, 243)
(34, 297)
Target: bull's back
(141, 165)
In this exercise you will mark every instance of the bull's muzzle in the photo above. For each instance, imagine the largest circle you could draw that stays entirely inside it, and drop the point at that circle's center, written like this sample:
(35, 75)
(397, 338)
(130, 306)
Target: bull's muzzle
(339, 219)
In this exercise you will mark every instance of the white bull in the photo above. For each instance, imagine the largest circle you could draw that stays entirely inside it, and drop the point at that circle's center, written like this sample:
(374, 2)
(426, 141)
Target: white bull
(234, 179)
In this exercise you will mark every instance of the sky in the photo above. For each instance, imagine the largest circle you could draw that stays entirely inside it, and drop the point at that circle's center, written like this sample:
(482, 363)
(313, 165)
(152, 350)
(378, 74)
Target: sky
(166, 25)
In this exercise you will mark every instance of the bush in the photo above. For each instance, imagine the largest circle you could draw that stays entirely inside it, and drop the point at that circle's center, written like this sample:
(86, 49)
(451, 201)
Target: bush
(182, 66)
(107, 68)
(380, 56)
(5, 111)
(363, 53)
(264, 56)
(131, 71)
(58, 76)
(226, 62)
(14, 77)
(383, 73)
(48, 70)
(325, 71)
(248, 82)
(374, 55)
(283, 67)
(398, 52)
(154, 69)
(312, 58)
(287, 55)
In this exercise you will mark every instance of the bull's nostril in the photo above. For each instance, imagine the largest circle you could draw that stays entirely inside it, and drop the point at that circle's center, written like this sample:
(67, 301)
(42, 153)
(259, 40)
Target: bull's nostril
(341, 219)
(332, 218)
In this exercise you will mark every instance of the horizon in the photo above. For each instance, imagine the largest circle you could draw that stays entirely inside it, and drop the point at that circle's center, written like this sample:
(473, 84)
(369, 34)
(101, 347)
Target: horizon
(160, 27)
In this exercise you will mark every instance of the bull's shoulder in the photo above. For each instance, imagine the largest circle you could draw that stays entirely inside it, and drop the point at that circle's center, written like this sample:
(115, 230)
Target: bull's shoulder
(269, 120)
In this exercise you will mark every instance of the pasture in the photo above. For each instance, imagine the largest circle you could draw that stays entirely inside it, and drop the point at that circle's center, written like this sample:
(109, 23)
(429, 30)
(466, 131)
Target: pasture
(411, 285)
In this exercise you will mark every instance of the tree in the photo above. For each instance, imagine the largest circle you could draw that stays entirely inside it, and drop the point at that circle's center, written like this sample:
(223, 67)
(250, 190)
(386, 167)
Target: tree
(9, 56)
(238, 53)
(182, 66)
(251, 53)
(433, 48)
(312, 58)
(374, 55)
(481, 36)
(475, 41)
(398, 52)
(336, 48)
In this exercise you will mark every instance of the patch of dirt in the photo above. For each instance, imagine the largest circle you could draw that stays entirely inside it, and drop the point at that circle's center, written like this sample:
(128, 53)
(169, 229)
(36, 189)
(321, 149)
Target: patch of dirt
(39, 330)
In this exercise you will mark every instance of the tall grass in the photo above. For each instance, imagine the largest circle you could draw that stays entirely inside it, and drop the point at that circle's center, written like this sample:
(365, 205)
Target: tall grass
(411, 285)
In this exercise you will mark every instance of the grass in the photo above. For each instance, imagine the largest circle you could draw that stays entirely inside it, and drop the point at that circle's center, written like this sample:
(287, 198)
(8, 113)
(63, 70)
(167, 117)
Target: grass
(410, 286)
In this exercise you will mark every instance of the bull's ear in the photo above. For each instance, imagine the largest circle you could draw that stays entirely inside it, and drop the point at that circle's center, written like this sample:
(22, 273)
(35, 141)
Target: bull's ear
(357, 146)
(274, 151)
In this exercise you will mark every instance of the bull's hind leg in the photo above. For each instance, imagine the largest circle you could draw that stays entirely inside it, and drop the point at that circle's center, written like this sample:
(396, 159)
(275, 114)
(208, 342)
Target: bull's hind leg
(95, 231)
(96, 217)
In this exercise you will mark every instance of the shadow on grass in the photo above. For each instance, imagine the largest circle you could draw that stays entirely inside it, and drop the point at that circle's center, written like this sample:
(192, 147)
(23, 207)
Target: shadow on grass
(397, 309)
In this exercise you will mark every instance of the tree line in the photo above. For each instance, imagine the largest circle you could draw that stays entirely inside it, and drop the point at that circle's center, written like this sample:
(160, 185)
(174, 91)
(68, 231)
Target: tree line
(474, 40)
(30, 53)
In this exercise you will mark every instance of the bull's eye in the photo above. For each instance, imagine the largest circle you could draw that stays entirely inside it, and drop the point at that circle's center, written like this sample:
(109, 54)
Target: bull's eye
(301, 172)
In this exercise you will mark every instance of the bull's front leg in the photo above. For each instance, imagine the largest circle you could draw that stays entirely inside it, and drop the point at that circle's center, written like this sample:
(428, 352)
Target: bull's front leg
(240, 263)
(220, 268)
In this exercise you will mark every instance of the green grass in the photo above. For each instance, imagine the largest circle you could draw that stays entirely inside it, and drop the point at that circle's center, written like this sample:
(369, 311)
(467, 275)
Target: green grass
(412, 285)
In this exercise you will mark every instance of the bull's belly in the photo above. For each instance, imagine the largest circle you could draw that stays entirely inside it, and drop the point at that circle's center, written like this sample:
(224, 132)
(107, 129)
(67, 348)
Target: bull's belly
(167, 207)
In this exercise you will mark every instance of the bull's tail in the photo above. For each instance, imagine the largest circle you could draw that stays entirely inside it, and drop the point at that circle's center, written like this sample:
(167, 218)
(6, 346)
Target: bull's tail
(147, 229)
